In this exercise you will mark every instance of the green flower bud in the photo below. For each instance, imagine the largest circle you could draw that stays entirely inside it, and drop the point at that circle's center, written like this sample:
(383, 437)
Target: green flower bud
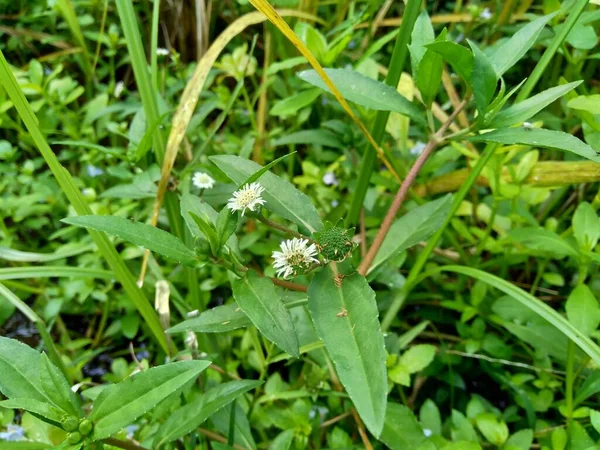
(74, 437)
(335, 243)
(70, 423)
(85, 427)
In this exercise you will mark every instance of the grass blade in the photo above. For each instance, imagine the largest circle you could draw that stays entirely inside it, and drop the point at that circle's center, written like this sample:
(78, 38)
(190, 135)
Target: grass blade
(17, 273)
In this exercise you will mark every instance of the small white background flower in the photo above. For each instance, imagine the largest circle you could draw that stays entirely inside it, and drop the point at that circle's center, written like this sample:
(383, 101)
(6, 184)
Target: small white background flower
(295, 254)
(203, 180)
(248, 197)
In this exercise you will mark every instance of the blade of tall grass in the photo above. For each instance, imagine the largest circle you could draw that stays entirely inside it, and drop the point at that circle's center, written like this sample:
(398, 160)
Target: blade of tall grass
(399, 54)
(16, 273)
(39, 324)
(275, 18)
(78, 202)
(537, 306)
(68, 12)
(154, 44)
(542, 64)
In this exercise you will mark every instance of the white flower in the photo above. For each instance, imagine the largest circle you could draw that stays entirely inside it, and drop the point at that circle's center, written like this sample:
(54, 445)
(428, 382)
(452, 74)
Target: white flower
(162, 52)
(248, 197)
(203, 180)
(329, 179)
(486, 14)
(119, 89)
(417, 149)
(295, 255)
(427, 432)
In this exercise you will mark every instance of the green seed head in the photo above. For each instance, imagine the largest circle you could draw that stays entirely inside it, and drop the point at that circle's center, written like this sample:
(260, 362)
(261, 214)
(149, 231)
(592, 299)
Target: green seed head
(74, 437)
(335, 243)
(70, 424)
(85, 427)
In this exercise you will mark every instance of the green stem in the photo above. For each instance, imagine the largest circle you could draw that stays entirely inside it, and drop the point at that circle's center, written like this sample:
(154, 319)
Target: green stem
(540, 67)
(280, 227)
(413, 275)
(570, 380)
(154, 44)
(399, 54)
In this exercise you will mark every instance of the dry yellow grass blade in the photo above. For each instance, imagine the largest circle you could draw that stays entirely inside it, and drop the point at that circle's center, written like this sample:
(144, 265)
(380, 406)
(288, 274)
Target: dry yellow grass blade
(189, 100)
(265, 7)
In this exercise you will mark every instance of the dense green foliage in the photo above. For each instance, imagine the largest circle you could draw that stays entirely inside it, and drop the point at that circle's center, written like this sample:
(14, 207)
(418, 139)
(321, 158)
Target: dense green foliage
(358, 231)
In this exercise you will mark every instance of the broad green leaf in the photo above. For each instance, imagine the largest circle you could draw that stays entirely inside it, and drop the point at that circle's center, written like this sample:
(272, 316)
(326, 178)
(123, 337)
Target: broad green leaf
(281, 197)
(583, 310)
(412, 334)
(588, 103)
(243, 433)
(417, 357)
(225, 318)
(422, 34)
(580, 439)
(43, 409)
(345, 315)
(401, 430)
(261, 302)
(20, 366)
(415, 226)
(521, 440)
(559, 439)
(484, 79)
(191, 203)
(57, 389)
(208, 229)
(462, 430)
(310, 137)
(462, 445)
(586, 226)
(290, 105)
(141, 234)
(539, 137)
(515, 48)
(526, 109)
(590, 386)
(543, 241)
(595, 419)
(459, 57)
(260, 172)
(429, 75)
(283, 441)
(189, 417)
(538, 307)
(495, 431)
(120, 404)
(430, 418)
(366, 92)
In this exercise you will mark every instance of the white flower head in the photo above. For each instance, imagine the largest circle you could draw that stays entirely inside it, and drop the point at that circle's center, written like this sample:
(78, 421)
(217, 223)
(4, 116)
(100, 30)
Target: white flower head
(330, 179)
(486, 14)
(295, 255)
(248, 197)
(417, 149)
(203, 180)
(162, 52)
(119, 89)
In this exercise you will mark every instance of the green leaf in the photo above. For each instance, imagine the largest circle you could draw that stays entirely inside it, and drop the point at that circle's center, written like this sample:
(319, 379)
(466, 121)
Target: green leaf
(590, 386)
(521, 440)
(120, 404)
(207, 228)
(538, 307)
(415, 226)
(259, 173)
(243, 433)
(595, 419)
(57, 389)
(422, 34)
(430, 418)
(281, 197)
(588, 103)
(522, 111)
(462, 445)
(225, 318)
(583, 310)
(290, 105)
(586, 226)
(429, 75)
(345, 315)
(141, 234)
(19, 366)
(412, 334)
(580, 439)
(226, 226)
(515, 48)
(261, 302)
(494, 430)
(484, 79)
(189, 417)
(43, 409)
(310, 137)
(559, 439)
(462, 430)
(459, 57)
(417, 357)
(365, 91)
(401, 430)
(544, 242)
(283, 441)
(539, 137)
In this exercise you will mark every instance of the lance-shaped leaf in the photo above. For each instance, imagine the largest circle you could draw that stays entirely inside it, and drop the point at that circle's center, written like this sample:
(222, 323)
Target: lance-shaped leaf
(20, 371)
(144, 235)
(538, 137)
(346, 318)
(43, 409)
(365, 91)
(281, 197)
(522, 111)
(120, 404)
(56, 387)
(189, 417)
(261, 302)
(402, 430)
